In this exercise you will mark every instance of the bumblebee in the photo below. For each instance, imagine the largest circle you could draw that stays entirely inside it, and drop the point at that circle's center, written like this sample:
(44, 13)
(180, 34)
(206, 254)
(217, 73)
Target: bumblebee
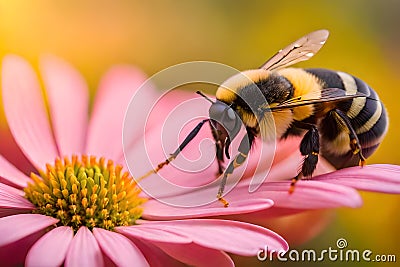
(339, 116)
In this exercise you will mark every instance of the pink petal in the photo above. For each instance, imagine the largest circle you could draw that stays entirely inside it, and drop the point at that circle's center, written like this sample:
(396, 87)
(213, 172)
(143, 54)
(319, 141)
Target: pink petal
(308, 194)
(383, 178)
(263, 157)
(11, 197)
(195, 255)
(300, 227)
(155, 256)
(68, 100)
(84, 250)
(11, 174)
(286, 164)
(286, 147)
(115, 92)
(152, 234)
(169, 101)
(284, 170)
(119, 248)
(162, 138)
(14, 254)
(51, 249)
(26, 113)
(247, 239)
(15, 227)
(155, 210)
(182, 172)
(5, 212)
(10, 150)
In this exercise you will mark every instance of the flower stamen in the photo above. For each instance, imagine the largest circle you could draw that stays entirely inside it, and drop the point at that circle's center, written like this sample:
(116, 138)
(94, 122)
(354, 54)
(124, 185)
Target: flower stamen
(86, 192)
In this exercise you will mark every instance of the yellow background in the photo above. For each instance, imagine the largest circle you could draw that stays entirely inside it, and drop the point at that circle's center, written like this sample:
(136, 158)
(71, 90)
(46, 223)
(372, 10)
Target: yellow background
(364, 41)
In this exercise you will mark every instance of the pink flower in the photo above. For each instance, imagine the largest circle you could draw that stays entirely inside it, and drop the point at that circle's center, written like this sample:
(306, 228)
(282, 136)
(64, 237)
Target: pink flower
(79, 210)
(163, 232)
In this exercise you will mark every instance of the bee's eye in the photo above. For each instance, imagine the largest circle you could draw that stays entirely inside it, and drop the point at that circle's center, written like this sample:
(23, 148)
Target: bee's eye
(231, 114)
(229, 120)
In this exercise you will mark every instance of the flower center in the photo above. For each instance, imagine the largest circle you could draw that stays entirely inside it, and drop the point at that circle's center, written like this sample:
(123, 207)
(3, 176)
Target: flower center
(86, 192)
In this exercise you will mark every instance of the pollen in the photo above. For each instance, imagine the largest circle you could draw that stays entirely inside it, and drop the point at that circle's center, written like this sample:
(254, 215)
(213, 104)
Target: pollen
(86, 191)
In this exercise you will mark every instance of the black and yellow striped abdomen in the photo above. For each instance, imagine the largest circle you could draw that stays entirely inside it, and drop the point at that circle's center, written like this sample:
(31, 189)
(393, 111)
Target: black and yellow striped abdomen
(367, 116)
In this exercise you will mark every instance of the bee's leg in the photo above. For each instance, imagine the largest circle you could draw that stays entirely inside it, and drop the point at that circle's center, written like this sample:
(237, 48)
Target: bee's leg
(309, 148)
(220, 158)
(238, 160)
(219, 150)
(187, 140)
(354, 142)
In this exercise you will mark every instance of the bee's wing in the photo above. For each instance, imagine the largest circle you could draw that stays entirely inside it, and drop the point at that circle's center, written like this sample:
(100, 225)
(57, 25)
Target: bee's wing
(300, 50)
(327, 95)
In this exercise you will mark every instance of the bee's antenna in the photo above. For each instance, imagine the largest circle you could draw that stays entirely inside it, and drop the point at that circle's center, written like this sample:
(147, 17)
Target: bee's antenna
(206, 97)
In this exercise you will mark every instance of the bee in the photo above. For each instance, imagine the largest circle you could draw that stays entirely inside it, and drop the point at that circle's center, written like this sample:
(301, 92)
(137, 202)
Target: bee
(338, 115)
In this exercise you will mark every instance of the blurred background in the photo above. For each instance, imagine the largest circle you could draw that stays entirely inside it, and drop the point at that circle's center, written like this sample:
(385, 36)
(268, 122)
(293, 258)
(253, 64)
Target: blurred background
(153, 35)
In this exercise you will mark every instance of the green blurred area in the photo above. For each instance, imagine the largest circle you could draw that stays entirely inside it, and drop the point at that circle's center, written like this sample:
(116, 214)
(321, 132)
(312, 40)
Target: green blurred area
(93, 35)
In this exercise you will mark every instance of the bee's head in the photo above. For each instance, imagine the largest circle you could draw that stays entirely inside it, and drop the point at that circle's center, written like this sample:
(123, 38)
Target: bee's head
(225, 121)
